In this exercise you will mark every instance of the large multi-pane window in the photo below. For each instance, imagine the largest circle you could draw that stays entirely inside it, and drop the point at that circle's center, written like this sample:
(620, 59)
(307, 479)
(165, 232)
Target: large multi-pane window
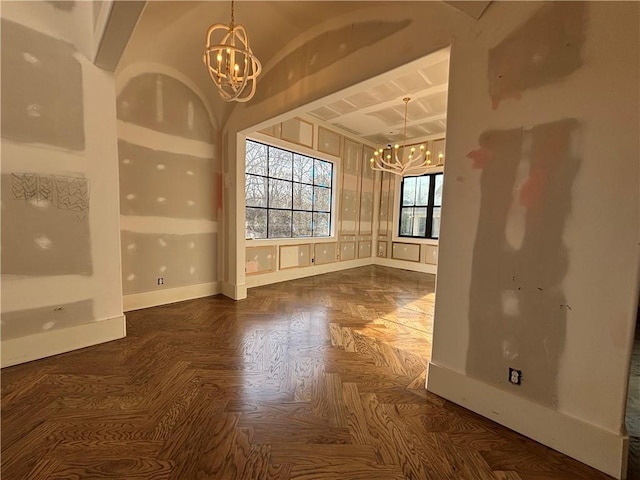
(421, 202)
(288, 195)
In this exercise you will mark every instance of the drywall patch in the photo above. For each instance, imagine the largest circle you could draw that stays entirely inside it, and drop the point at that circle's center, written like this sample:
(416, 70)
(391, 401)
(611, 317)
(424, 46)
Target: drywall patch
(178, 259)
(322, 52)
(162, 103)
(545, 49)
(38, 320)
(45, 225)
(164, 184)
(515, 314)
(65, 5)
(41, 89)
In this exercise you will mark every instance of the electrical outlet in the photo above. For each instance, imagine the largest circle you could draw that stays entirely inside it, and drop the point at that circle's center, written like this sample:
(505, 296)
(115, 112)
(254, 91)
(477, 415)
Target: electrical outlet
(515, 376)
(160, 280)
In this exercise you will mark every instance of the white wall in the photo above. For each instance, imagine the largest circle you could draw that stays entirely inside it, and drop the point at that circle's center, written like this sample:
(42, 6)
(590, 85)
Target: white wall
(580, 405)
(46, 304)
(344, 247)
(549, 288)
(170, 187)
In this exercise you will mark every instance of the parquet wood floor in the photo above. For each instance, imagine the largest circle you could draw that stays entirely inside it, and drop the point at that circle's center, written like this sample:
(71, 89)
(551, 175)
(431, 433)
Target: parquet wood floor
(319, 378)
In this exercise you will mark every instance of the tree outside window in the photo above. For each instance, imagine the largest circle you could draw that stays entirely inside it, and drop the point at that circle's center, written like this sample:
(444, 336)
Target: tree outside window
(420, 206)
(288, 195)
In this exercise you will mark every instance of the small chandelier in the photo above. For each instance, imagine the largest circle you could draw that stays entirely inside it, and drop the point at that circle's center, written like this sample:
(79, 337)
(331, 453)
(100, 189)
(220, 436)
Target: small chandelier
(403, 160)
(231, 64)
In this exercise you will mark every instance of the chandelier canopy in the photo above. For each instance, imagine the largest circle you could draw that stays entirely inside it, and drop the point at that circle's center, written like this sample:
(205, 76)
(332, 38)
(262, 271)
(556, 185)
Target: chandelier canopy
(230, 62)
(403, 159)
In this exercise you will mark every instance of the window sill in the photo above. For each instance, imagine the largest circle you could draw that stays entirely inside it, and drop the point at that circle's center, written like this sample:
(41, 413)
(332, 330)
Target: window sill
(289, 241)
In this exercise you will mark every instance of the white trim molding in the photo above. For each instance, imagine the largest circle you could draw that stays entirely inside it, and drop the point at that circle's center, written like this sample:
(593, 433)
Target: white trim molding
(406, 265)
(54, 342)
(601, 449)
(136, 301)
(234, 292)
(302, 272)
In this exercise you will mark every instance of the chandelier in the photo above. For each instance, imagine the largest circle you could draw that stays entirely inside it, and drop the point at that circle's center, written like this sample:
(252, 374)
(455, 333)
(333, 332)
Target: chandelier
(230, 62)
(403, 160)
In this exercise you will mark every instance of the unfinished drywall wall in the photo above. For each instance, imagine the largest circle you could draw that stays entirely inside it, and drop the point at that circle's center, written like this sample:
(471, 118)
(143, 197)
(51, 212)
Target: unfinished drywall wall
(170, 183)
(323, 51)
(60, 242)
(45, 225)
(600, 231)
(517, 306)
(178, 259)
(164, 184)
(45, 319)
(351, 222)
(163, 103)
(539, 244)
(546, 49)
(39, 104)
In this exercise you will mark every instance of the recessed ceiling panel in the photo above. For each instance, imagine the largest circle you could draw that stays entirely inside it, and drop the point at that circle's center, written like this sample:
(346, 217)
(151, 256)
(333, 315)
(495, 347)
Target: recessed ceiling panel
(413, 82)
(343, 107)
(363, 99)
(390, 116)
(437, 74)
(417, 131)
(324, 113)
(435, 104)
(433, 128)
(387, 91)
(416, 111)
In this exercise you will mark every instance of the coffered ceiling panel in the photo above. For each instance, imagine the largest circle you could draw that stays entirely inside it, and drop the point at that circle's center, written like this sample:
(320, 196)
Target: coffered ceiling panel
(377, 111)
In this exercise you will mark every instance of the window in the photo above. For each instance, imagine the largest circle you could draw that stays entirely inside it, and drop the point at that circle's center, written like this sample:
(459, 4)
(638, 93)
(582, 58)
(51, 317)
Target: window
(421, 202)
(288, 195)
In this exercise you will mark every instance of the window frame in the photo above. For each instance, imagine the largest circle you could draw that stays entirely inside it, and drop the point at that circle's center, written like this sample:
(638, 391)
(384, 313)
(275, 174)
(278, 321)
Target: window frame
(430, 206)
(330, 187)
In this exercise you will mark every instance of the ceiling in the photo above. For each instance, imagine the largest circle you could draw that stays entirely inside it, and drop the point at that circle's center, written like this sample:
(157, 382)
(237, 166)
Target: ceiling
(376, 112)
(171, 33)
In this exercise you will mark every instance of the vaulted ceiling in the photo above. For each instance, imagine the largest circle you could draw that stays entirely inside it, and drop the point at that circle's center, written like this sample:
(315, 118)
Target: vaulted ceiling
(172, 33)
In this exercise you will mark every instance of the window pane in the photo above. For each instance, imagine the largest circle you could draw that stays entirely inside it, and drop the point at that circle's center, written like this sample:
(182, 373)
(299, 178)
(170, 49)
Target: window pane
(408, 191)
(435, 225)
(256, 223)
(437, 199)
(302, 168)
(280, 163)
(419, 222)
(301, 224)
(256, 158)
(279, 194)
(279, 223)
(406, 221)
(302, 196)
(423, 190)
(322, 173)
(322, 199)
(320, 224)
(255, 190)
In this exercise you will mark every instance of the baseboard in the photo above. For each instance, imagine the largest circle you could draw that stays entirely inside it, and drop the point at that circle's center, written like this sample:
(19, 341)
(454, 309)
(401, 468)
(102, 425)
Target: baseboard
(136, 301)
(587, 443)
(302, 272)
(405, 265)
(234, 292)
(54, 342)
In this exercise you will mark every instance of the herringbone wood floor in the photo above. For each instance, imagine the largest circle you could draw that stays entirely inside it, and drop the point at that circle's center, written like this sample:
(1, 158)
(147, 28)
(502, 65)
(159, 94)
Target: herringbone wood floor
(320, 378)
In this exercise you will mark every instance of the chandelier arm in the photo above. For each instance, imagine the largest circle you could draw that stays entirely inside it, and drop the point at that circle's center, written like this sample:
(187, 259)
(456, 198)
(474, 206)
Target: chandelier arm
(390, 165)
